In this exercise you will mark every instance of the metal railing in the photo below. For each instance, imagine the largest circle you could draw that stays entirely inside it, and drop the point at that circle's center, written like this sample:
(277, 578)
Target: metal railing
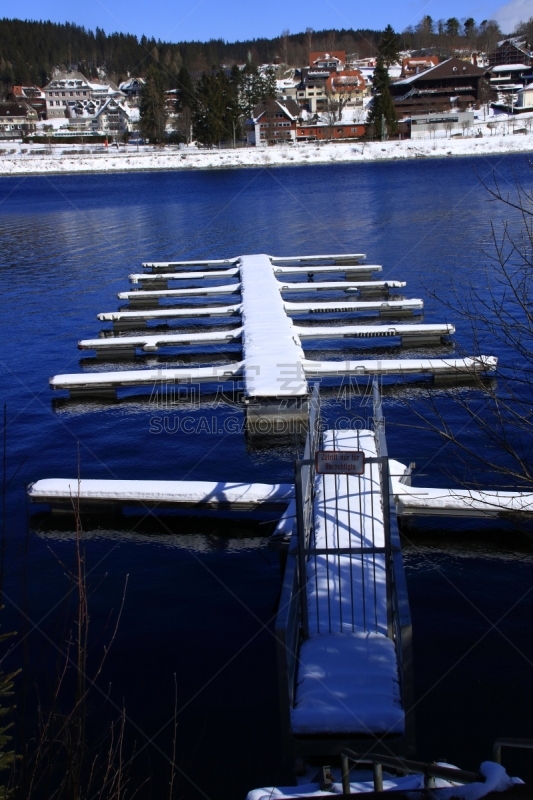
(430, 771)
(292, 603)
(292, 623)
(519, 744)
(304, 480)
(402, 628)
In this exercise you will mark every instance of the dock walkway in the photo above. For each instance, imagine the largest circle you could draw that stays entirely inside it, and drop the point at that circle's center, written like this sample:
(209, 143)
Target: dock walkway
(343, 626)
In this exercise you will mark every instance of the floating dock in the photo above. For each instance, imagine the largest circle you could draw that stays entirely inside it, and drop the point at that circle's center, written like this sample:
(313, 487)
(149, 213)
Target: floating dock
(420, 501)
(270, 330)
(99, 495)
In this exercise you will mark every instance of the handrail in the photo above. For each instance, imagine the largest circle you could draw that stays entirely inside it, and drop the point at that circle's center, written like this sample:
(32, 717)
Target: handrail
(304, 481)
(397, 595)
(381, 447)
(428, 770)
(521, 744)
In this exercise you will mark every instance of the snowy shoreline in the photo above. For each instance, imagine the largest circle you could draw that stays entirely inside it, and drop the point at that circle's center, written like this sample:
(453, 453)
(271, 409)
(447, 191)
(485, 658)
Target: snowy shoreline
(28, 162)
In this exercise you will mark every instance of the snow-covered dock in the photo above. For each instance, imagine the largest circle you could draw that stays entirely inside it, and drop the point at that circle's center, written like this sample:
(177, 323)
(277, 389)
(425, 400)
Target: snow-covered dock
(87, 494)
(358, 271)
(270, 345)
(343, 625)
(309, 286)
(409, 334)
(166, 266)
(143, 296)
(287, 380)
(340, 259)
(383, 307)
(134, 320)
(272, 363)
(422, 501)
(404, 366)
(151, 344)
(97, 382)
(357, 687)
(143, 277)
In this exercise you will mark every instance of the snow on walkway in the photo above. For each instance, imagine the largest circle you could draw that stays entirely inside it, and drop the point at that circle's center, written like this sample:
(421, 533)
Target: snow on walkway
(347, 674)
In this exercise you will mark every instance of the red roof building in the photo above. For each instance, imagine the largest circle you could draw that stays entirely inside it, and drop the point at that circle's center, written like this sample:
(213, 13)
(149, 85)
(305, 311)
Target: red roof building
(334, 61)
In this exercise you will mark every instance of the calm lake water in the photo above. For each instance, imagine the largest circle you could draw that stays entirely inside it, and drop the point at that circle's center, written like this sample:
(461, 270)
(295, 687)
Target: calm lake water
(201, 595)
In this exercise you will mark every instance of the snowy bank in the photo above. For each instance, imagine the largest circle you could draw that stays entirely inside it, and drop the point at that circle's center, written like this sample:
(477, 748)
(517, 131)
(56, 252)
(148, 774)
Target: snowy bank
(34, 159)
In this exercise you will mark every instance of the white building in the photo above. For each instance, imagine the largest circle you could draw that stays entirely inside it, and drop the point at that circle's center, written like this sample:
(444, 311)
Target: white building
(525, 97)
(70, 94)
(115, 117)
(132, 88)
(439, 126)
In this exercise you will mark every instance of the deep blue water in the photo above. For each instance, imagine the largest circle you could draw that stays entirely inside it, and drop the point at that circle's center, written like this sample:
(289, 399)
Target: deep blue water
(200, 600)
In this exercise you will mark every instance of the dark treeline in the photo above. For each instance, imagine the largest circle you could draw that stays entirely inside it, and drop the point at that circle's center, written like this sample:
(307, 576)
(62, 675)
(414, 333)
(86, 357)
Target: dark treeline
(30, 51)
(447, 37)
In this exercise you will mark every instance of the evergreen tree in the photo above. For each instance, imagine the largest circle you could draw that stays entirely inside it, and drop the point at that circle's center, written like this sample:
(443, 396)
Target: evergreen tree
(185, 98)
(216, 112)
(254, 88)
(382, 117)
(452, 26)
(469, 26)
(389, 46)
(153, 111)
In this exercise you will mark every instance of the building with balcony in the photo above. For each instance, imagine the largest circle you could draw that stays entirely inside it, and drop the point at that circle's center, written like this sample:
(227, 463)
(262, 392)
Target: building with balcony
(31, 95)
(451, 84)
(17, 119)
(273, 122)
(70, 94)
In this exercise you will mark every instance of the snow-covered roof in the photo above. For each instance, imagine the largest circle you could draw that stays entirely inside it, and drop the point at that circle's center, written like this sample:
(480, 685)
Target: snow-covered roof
(131, 83)
(417, 75)
(116, 103)
(283, 106)
(508, 67)
(286, 83)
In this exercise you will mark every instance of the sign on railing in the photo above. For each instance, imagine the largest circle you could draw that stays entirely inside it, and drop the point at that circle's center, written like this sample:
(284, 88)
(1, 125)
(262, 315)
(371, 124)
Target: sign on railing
(340, 462)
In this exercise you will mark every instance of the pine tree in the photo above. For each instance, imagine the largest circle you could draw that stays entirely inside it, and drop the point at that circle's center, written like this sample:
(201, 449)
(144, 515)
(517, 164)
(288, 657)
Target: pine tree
(185, 88)
(452, 27)
(389, 46)
(216, 112)
(254, 88)
(153, 111)
(382, 114)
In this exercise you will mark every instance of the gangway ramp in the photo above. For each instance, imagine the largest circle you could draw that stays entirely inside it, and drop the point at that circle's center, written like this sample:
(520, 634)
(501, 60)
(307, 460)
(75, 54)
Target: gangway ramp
(343, 626)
